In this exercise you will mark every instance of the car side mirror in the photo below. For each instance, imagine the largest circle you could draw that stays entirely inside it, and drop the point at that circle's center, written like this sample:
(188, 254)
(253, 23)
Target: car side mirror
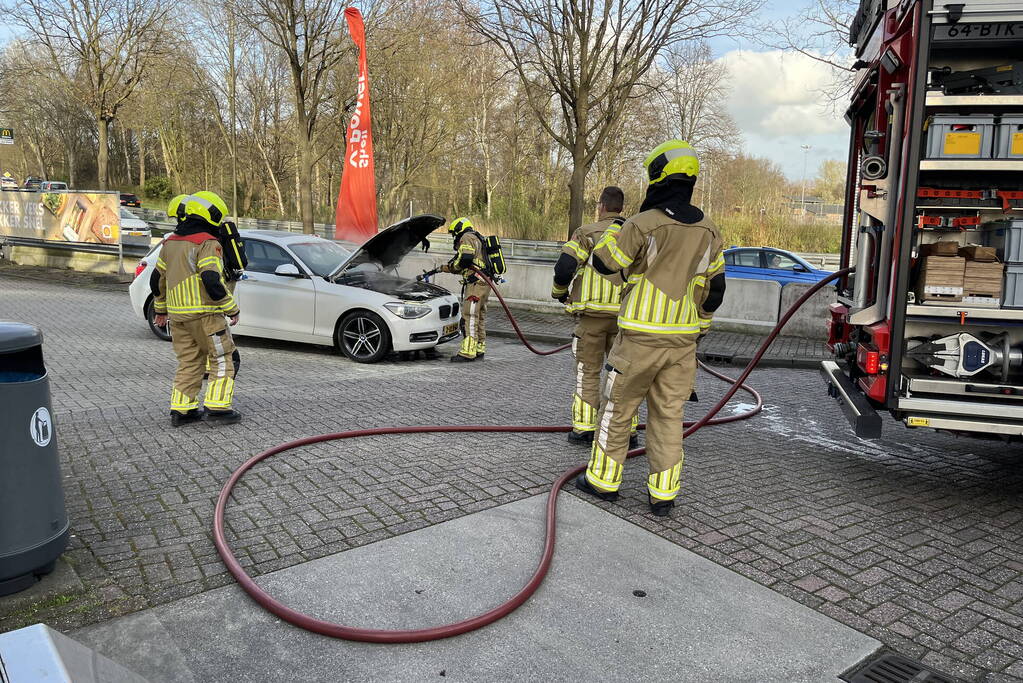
(799, 268)
(287, 270)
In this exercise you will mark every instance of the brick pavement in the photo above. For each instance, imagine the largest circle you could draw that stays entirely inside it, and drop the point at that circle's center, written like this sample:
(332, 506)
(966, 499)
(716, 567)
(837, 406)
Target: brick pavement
(916, 540)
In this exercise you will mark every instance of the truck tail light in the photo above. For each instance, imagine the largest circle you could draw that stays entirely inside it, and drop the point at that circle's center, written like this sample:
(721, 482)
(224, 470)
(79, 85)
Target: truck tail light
(868, 360)
(140, 267)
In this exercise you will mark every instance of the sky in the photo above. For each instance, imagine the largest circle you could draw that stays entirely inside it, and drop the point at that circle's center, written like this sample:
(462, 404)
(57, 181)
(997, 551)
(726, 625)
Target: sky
(776, 102)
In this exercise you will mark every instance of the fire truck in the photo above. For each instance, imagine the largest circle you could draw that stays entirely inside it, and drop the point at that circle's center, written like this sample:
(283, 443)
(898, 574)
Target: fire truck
(929, 325)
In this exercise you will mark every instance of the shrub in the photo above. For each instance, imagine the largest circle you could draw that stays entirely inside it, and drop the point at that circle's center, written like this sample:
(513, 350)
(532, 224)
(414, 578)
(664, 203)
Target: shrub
(159, 187)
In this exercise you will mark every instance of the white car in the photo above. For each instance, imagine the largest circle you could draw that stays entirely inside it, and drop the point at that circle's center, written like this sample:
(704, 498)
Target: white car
(304, 288)
(132, 225)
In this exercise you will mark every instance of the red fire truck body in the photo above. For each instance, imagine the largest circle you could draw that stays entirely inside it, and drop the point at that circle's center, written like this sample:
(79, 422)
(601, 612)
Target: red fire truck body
(929, 326)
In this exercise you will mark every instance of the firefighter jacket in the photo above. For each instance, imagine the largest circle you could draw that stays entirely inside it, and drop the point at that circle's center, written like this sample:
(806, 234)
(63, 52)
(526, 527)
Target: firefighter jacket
(189, 280)
(670, 265)
(592, 293)
(469, 253)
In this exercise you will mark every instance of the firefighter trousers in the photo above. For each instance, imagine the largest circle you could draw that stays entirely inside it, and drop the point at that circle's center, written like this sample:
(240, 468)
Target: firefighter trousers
(203, 345)
(665, 377)
(474, 318)
(591, 342)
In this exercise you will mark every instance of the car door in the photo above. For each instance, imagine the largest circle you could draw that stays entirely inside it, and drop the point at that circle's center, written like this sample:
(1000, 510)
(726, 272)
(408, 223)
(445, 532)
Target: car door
(274, 305)
(745, 263)
(786, 269)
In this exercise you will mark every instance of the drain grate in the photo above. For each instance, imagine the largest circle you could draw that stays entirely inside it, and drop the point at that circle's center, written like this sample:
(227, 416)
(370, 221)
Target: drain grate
(893, 668)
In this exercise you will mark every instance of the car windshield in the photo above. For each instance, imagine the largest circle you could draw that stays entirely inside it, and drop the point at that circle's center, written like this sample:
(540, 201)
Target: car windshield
(127, 214)
(322, 257)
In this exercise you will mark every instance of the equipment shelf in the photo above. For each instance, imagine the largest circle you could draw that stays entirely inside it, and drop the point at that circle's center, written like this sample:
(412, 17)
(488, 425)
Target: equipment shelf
(968, 165)
(938, 100)
(974, 314)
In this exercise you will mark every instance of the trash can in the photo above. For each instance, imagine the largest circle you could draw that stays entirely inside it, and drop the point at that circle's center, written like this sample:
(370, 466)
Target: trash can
(34, 527)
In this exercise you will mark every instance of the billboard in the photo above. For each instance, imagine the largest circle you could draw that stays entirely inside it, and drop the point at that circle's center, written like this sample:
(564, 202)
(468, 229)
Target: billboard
(61, 216)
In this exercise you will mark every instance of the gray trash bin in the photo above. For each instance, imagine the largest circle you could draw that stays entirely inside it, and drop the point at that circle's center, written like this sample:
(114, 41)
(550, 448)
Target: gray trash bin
(34, 527)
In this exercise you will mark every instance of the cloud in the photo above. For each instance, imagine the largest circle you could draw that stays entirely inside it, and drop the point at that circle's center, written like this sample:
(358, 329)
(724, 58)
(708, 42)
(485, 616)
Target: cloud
(775, 98)
(777, 94)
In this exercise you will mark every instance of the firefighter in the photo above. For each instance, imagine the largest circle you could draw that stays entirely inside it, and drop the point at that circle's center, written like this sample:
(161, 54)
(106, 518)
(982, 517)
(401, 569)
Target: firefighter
(594, 300)
(174, 211)
(470, 254)
(189, 289)
(672, 254)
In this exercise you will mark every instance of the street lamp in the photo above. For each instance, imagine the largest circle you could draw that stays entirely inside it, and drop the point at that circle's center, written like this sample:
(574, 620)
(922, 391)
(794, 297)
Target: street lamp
(802, 195)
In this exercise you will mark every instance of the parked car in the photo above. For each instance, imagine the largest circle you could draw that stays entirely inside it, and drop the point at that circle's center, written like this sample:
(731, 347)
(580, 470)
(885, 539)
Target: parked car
(32, 182)
(7, 183)
(129, 199)
(133, 225)
(52, 186)
(767, 263)
(308, 289)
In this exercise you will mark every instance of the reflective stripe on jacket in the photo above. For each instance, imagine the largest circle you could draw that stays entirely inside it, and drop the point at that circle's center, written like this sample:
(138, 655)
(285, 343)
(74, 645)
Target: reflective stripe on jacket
(669, 266)
(182, 294)
(592, 293)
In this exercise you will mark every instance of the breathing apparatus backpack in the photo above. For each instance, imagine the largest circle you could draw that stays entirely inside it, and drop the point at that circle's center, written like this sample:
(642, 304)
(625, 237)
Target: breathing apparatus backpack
(492, 254)
(233, 247)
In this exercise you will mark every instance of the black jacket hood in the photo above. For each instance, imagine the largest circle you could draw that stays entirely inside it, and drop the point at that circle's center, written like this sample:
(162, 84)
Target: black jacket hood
(673, 196)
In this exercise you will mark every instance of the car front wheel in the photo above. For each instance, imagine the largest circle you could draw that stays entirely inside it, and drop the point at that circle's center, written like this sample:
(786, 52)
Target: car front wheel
(363, 336)
(161, 332)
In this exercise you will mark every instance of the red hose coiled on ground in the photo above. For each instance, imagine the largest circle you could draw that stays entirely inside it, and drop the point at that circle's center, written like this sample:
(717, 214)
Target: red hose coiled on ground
(328, 628)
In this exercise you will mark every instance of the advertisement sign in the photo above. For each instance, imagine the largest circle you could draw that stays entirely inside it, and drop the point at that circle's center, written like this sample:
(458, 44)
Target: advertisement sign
(6, 135)
(61, 216)
(356, 215)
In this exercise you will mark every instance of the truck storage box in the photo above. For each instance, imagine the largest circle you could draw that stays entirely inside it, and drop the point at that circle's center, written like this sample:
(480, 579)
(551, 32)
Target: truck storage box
(1009, 138)
(1012, 246)
(974, 252)
(940, 248)
(952, 136)
(1012, 291)
(941, 278)
(982, 280)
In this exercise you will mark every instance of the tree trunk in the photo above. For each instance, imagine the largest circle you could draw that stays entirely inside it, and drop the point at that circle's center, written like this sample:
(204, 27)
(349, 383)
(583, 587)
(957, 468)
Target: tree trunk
(576, 190)
(126, 140)
(71, 164)
(103, 156)
(142, 160)
(305, 172)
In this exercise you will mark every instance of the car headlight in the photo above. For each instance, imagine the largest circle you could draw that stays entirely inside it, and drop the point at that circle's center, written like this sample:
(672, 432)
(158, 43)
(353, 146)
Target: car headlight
(407, 311)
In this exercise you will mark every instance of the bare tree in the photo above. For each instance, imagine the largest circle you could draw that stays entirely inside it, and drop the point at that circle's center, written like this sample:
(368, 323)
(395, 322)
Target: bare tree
(820, 31)
(101, 49)
(309, 34)
(592, 56)
(694, 94)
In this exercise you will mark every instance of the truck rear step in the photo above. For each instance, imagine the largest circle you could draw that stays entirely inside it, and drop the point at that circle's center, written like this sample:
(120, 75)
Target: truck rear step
(865, 421)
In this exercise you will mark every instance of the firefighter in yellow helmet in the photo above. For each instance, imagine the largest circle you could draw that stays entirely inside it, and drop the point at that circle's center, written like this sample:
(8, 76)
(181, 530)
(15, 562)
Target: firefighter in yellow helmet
(469, 254)
(594, 300)
(189, 289)
(671, 253)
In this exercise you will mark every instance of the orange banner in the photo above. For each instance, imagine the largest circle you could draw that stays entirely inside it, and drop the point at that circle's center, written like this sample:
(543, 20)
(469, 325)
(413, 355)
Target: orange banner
(356, 218)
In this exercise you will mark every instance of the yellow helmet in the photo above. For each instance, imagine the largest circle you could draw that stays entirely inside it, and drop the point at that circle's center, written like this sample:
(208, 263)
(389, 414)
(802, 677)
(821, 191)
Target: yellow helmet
(174, 206)
(670, 158)
(459, 225)
(207, 205)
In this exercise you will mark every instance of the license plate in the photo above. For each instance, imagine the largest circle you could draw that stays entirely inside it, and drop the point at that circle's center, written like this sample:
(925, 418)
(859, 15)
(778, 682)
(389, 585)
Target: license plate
(450, 329)
(965, 32)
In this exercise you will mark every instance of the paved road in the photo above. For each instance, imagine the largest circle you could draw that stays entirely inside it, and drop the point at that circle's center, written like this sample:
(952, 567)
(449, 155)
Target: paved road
(915, 540)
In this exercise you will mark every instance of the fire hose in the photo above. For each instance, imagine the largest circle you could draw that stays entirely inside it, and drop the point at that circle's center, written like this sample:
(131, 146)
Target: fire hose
(335, 630)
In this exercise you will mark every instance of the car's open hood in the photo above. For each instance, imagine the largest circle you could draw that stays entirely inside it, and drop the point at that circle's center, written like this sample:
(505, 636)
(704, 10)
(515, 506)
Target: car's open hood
(389, 246)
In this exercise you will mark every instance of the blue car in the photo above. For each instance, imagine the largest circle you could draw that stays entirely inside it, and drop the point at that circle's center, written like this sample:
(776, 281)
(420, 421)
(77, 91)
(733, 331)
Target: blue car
(765, 263)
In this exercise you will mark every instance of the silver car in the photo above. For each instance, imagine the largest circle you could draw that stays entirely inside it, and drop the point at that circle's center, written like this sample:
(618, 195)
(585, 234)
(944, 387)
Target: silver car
(307, 289)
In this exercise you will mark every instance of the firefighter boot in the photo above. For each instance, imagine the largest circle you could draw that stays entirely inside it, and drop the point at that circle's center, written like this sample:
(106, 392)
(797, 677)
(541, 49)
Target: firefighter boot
(179, 418)
(660, 508)
(223, 417)
(585, 438)
(585, 486)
